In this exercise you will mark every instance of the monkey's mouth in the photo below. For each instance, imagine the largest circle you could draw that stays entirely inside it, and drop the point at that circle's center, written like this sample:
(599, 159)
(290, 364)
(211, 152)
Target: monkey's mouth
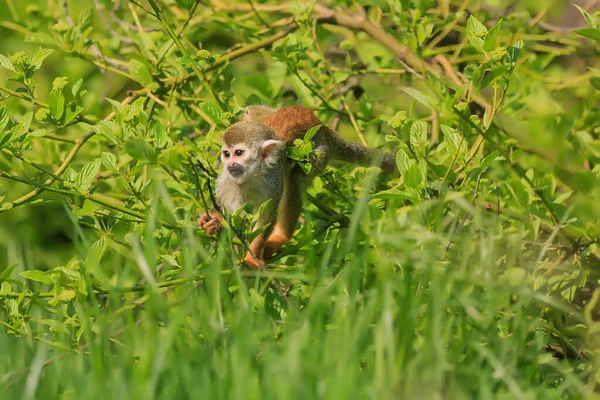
(235, 172)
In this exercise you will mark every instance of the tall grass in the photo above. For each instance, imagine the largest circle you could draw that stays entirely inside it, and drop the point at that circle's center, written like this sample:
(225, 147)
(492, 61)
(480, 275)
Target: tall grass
(417, 302)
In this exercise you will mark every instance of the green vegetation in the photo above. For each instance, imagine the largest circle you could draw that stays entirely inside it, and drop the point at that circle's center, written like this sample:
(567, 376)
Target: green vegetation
(473, 274)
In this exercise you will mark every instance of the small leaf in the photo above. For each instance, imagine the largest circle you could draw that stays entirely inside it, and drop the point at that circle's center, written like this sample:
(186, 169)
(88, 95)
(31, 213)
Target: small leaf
(85, 18)
(84, 178)
(595, 83)
(140, 150)
(476, 33)
(109, 160)
(514, 51)
(492, 36)
(311, 133)
(590, 33)
(214, 112)
(76, 87)
(96, 251)
(452, 138)
(170, 259)
(590, 19)
(140, 72)
(57, 104)
(418, 135)
(413, 176)
(417, 95)
(71, 112)
(402, 161)
(4, 275)
(489, 159)
(38, 276)
(6, 63)
(39, 56)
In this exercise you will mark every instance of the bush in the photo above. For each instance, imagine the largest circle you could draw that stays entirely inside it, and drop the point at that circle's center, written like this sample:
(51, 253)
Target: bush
(474, 273)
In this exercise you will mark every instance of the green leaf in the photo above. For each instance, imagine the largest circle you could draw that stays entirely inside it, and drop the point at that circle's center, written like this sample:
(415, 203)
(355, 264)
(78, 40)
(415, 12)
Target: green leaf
(311, 133)
(170, 259)
(141, 150)
(489, 159)
(38, 276)
(413, 177)
(160, 134)
(23, 126)
(85, 18)
(418, 136)
(6, 63)
(514, 52)
(110, 130)
(476, 33)
(590, 33)
(76, 87)
(71, 112)
(595, 82)
(96, 251)
(109, 160)
(5, 274)
(57, 104)
(214, 112)
(492, 36)
(39, 56)
(83, 180)
(88, 208)
(140, 72)
(402, 161)
(590, 19)
(452, 138)
(3, 118)
(492, 75)
(418, 95)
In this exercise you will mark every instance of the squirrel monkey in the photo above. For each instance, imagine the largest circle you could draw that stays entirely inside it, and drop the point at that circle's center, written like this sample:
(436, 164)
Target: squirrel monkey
(255, 170)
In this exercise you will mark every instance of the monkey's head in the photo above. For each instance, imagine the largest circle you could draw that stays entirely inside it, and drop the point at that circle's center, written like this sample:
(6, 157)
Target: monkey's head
(249, 148)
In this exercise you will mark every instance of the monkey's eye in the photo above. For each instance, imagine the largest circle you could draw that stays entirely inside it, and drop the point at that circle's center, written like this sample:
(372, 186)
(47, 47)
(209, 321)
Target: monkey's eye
(226, 154)
(239, 152)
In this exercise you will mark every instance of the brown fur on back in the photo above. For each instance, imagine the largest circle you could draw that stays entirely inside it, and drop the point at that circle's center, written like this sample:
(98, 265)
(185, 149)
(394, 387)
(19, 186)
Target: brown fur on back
(292, 122)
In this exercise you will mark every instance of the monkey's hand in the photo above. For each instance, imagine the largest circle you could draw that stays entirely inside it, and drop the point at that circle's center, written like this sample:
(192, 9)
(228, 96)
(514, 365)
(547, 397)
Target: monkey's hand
(211, 223)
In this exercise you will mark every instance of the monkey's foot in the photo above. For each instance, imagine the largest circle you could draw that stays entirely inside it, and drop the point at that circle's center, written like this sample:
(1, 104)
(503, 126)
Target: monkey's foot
(253, 263)
(274, 243)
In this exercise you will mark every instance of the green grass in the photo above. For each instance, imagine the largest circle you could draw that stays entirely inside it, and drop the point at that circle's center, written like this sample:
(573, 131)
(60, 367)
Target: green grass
(403, 304)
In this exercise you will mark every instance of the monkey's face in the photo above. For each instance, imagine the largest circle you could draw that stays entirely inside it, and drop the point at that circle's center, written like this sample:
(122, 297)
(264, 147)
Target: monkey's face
(244, 161)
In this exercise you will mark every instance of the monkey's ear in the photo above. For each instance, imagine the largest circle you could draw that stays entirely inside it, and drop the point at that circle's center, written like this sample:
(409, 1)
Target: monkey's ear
(270, 149)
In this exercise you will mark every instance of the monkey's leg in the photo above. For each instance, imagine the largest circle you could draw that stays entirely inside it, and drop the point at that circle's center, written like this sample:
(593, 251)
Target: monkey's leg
(291, 202)
(290, 208)
(255, 256)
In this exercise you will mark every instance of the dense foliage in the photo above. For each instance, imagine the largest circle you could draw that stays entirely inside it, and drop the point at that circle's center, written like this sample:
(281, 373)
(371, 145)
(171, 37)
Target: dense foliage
(474, 272)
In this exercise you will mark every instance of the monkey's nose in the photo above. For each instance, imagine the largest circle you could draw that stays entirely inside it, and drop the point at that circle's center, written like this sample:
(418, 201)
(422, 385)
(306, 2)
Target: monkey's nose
(235, 169)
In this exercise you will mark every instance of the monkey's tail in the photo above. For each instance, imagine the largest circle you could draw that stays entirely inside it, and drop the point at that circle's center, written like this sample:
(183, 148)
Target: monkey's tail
(355, 153)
